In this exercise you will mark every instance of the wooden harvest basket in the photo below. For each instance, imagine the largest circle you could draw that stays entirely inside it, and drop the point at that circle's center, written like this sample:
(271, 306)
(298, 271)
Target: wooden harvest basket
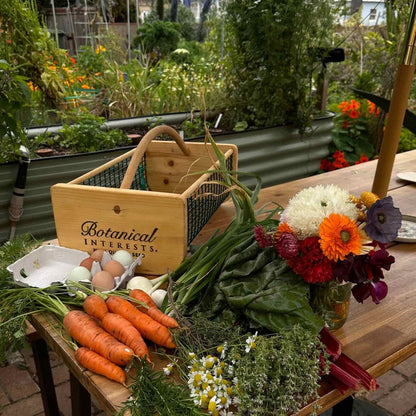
(145, 201)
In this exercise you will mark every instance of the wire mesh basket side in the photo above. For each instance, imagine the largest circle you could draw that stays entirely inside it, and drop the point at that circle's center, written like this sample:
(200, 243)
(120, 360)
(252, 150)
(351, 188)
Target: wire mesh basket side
(202, 204)
(113, 176)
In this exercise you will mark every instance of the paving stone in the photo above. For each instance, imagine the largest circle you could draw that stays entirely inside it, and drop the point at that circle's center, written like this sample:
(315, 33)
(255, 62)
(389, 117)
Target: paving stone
(3, 399)
(386, 382)
(401, 400)
(408, 367)
(28, 407)
(60, 374)
(17, 383)
(63, 395)
(54, 359)
(30, 362)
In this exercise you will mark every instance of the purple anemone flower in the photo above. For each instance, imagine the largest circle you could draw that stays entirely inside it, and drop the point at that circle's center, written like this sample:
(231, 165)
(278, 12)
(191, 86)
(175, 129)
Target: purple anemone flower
(383, 221)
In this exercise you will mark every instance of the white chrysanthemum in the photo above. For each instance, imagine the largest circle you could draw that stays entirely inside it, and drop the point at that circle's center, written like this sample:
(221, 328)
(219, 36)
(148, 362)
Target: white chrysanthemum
(307, 209)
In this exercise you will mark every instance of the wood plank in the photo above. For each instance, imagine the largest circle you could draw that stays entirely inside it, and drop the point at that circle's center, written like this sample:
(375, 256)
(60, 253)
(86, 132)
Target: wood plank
(138, 221)
(378, 337)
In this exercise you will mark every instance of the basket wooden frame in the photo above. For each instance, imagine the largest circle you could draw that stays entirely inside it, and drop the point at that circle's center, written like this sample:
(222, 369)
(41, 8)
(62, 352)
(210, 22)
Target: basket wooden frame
(159, 223)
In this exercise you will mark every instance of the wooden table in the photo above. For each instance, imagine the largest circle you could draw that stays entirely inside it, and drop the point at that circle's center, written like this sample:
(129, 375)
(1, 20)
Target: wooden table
(378, 337)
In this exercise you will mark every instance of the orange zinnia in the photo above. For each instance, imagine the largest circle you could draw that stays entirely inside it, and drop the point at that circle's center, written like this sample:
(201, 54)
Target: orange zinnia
(283, 227)
(339, 237)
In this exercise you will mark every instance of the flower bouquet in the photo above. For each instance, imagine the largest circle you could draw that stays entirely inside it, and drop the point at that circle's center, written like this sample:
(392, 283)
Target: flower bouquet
(337, 244)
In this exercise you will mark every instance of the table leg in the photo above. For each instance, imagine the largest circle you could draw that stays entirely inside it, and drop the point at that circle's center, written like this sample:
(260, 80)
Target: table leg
(44, 372)
(343, 408)
(80, 398)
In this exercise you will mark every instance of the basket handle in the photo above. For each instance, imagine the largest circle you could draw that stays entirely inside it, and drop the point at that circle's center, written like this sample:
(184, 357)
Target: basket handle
(142, 146)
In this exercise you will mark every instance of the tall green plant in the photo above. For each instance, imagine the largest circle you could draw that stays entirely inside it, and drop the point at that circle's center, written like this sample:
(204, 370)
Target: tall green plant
(25, 42)
(271, 60)
(14, 97)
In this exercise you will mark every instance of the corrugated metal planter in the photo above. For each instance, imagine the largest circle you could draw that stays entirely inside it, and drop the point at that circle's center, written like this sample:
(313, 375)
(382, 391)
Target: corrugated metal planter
(277, 154)
(37, 217)
(280, 154)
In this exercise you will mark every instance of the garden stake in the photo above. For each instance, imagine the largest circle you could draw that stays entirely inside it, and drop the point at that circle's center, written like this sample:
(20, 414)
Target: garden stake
(397, 111)
(16, 203)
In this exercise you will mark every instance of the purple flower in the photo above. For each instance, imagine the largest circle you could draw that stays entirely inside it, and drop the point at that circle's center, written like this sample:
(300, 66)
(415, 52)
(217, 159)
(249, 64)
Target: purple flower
(362, 291)
(378, 291)
(383, 221)
(287, 246)
(360, 269)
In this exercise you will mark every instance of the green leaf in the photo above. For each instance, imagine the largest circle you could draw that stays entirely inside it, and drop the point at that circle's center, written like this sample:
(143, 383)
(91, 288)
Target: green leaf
(258, 284)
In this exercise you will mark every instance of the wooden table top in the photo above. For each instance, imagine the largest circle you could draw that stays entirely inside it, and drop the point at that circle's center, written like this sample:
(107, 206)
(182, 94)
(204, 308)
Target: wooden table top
(378, 337)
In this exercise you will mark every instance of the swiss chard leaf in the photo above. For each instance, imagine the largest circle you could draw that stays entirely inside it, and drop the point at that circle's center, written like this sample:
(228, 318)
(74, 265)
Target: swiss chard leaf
(257, 284)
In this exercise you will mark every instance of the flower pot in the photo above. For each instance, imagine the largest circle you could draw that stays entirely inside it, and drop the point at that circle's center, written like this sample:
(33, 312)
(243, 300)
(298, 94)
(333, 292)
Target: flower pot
(331, 300)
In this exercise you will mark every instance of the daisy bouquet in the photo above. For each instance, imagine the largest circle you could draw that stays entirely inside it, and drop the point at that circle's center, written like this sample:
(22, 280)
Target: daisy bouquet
(329, 237)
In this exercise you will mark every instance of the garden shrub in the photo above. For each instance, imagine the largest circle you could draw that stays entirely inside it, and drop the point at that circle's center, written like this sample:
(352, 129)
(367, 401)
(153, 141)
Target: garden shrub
(270, 59)
(157, 37)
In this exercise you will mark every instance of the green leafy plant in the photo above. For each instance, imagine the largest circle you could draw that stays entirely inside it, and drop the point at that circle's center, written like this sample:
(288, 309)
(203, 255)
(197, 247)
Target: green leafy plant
(157, 37)
(86, 135)
(14, 99)
(270, 59)
(407, 141)
(351, 142)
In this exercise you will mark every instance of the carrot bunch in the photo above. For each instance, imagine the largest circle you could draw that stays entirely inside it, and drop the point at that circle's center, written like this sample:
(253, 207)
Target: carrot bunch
(111, 332)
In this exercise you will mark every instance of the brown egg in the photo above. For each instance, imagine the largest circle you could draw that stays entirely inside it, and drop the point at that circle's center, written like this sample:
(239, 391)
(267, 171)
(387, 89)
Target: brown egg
(114, 267)
(103, 281)
(87, 263)
(97, 255)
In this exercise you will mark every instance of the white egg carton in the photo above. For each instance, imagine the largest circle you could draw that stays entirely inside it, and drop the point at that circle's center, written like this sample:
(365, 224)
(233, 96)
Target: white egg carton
(48, 264)
(45, 265)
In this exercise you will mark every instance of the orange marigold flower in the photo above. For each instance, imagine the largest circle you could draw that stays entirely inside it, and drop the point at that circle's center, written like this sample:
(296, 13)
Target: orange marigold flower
(339, 236)
(344, 106)
(354, 105)
(283, 227)
(371, 107)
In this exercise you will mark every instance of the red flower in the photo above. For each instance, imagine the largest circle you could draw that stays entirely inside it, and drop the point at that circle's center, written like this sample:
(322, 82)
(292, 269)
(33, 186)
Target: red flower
(363, 158)
(311, 263)
(326, 165)
(345, 125)
(353, 114)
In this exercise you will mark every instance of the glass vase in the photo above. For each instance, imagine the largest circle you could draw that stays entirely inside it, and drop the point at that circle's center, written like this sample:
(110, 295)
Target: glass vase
(331, 301)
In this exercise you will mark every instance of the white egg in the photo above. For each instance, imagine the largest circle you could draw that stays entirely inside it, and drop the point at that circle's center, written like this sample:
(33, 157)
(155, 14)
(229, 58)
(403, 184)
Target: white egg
(79, 273)
(123, 257)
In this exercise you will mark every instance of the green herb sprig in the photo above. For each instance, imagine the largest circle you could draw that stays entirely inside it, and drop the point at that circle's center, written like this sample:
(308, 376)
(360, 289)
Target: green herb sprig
(152, 393)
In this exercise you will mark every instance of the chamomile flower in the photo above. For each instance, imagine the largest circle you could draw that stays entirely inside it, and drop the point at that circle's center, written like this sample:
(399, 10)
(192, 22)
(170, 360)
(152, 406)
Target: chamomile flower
(251, 342)
(168, 369)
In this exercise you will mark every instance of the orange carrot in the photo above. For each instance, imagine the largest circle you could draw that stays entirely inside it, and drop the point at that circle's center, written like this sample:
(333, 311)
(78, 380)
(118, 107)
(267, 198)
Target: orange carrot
(148, 327)
(99, 365)
(124, 331)
(88, 333)
(153, 311)
(95, 306)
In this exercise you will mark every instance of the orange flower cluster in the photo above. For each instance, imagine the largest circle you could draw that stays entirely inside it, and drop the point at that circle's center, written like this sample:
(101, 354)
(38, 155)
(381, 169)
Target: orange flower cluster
(352, 109)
